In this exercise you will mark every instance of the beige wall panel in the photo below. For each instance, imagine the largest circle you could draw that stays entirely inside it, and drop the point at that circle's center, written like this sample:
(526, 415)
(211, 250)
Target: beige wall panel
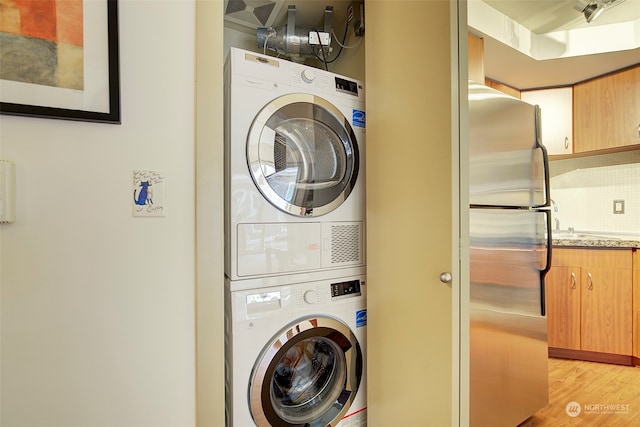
(408, 212)
(209, 215)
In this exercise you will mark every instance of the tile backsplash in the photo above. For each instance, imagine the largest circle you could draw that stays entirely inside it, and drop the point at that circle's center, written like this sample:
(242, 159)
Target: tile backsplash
(584, 190)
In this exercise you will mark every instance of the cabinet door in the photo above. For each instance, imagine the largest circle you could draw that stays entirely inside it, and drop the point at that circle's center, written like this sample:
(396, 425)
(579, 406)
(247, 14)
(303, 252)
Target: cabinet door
(562, 289)
(476, 58)
(607, 111)
(636, 304)
(557, 117)
(606, 310)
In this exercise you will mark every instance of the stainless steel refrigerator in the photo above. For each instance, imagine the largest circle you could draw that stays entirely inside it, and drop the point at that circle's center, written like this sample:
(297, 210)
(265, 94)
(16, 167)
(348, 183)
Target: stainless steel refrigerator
(510, 253)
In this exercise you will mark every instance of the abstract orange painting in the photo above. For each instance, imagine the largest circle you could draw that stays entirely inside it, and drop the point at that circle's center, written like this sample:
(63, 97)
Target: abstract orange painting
(60, 59)
(41, 42)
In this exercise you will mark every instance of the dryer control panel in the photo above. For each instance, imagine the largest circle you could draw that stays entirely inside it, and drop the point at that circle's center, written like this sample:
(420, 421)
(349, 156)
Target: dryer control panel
(346, 86)
(343, 289)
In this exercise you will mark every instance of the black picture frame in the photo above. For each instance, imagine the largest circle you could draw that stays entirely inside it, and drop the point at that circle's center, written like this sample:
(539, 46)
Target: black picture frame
(110, 114)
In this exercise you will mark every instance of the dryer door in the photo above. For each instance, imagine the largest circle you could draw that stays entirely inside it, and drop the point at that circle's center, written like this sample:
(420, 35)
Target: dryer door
(308, 375)
(303, 154)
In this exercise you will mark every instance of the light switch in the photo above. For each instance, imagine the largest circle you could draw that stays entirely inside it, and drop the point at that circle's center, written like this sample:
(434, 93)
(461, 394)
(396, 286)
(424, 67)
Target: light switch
(618, 206)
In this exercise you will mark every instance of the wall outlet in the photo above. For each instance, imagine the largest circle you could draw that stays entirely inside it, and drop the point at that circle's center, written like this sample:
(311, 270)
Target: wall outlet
(618, 206)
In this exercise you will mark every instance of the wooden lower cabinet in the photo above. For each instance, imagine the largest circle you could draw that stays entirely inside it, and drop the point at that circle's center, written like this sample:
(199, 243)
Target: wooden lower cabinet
(636, 306)
(606, 316)
(563, 307)
(589, 304)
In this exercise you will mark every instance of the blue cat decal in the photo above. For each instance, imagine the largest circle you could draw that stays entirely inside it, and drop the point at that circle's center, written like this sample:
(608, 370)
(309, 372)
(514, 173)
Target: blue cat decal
(145, 195)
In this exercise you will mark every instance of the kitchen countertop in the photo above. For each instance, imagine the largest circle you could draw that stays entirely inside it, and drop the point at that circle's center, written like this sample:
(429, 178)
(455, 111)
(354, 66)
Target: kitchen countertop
(595, 239)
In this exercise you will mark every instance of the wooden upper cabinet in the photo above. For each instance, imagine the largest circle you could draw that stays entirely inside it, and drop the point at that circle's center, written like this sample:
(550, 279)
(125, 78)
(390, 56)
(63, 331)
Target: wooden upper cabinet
(557, 117)
(476, 58)
(502, 88)
(476, 67)
(606, 112)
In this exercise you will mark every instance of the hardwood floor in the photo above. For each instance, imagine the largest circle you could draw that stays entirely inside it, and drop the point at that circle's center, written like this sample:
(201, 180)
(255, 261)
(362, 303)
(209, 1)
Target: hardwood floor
(598, 394)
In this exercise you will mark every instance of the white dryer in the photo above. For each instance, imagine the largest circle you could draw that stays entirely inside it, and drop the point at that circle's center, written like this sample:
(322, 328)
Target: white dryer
(295, 354)
(294, 178)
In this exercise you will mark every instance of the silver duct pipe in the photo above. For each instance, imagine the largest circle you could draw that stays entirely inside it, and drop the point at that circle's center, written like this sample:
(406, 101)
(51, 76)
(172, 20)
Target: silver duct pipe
(297, 43)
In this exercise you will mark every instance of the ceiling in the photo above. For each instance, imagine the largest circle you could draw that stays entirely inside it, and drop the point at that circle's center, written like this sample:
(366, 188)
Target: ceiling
(546, 19)
(520, 71)
(537, 22)
(544, 16)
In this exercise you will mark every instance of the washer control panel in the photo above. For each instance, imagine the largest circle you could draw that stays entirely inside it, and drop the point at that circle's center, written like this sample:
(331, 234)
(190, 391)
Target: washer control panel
(343, 289)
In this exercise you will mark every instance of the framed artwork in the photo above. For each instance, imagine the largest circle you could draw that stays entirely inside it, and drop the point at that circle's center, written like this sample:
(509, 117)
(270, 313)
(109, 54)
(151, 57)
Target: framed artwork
(59, 59)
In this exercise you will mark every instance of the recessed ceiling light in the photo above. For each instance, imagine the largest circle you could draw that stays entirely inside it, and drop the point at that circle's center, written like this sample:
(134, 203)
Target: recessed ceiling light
(594, 8)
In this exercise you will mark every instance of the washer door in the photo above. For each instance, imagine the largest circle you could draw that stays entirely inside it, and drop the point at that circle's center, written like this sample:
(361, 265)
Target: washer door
(308, 375)
(303, 154)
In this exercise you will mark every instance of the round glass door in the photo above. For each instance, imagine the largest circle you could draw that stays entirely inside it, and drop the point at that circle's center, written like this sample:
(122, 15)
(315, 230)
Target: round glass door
(307, 376)
(303, 155)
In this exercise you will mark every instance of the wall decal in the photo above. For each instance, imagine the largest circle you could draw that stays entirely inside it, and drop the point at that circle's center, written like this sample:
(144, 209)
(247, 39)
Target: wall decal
(148, 193)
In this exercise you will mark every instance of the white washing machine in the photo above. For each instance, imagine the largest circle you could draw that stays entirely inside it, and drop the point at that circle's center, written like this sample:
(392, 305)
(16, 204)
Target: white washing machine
(294, 178)
(295, 354)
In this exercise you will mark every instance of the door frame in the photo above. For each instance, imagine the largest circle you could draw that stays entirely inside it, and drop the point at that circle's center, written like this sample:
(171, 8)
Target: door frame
(461, 290)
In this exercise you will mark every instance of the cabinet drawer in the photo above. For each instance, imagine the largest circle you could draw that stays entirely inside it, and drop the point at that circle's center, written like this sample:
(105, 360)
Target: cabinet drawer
(603, 258)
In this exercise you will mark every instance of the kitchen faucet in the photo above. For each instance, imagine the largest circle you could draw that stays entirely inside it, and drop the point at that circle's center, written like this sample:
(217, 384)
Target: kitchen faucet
(557, 221)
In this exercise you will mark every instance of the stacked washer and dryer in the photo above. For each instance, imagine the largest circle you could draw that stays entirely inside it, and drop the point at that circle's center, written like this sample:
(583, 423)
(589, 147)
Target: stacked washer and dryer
(295, 294)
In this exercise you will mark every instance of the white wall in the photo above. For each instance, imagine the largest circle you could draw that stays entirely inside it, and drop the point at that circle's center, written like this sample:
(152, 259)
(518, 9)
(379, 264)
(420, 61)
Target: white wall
(97, 307)
(584, 190)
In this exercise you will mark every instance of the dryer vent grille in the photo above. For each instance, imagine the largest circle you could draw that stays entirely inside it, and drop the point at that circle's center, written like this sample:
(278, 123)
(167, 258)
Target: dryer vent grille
(345, 243)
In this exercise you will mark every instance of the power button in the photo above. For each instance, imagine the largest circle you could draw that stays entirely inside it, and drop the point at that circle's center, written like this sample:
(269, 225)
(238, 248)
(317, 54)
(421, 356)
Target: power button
(308, 75)
(310, 297)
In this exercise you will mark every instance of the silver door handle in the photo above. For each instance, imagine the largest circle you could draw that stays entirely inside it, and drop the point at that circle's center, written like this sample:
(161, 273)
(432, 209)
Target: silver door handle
(445, 277)
(566, 142)
(590, 287)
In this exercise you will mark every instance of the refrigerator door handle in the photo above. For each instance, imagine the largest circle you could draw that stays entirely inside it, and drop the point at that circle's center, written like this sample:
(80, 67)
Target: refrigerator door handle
(545, 156)
(547, 267)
